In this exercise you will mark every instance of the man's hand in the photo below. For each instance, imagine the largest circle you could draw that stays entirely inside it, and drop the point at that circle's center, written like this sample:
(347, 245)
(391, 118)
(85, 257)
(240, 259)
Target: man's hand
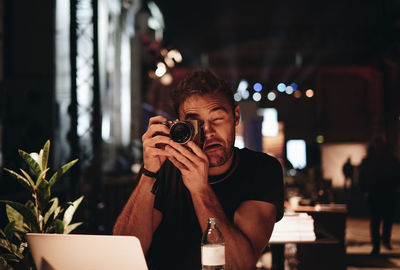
(192, 162)
(156, 135)
(139, 217)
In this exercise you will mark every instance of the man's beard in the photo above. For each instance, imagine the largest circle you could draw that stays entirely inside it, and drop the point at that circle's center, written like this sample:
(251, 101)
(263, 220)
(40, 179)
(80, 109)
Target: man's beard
(218, 159)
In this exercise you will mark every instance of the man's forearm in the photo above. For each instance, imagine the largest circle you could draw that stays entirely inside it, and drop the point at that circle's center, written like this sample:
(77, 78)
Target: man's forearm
(238, 249)
(137, 216)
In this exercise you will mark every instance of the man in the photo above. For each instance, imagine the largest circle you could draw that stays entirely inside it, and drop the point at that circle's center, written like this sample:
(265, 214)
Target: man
(348, 172)
(379, 181)
(243, 189)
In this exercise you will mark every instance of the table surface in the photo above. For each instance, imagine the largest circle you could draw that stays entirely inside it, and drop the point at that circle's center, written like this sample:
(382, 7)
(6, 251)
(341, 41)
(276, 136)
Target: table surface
(321, 238)
(331, 208)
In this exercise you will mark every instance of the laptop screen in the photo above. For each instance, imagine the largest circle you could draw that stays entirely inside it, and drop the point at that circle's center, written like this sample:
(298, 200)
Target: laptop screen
(89, 252)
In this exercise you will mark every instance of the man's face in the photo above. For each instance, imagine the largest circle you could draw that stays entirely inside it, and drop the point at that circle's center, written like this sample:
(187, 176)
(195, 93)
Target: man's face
(219, 124)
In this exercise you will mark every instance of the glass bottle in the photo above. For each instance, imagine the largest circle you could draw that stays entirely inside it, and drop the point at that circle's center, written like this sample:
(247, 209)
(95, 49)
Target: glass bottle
(212, 247)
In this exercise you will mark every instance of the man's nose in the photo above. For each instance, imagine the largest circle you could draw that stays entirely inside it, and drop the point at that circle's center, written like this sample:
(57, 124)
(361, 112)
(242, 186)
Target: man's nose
(208, 128)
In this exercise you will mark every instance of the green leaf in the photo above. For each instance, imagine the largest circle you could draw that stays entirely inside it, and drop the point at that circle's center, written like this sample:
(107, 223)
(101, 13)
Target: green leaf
(41, 177)
(51, 210)
(9, 230)
(2, 233)
(43, 194)
(58, 226)
(16, 251)
(31, 206)
(20, 179)
(16, 217)
(9, 257)
(33, 165)
(58, 211)
(45, 156)
(5, 244)
(61, 171)
(27, 228)
(71, 227)
(69, 213)
(26, 212)
(28, 177)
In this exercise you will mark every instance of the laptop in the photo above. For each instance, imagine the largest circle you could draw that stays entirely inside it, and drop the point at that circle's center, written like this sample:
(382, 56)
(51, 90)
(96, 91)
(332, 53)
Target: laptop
(88, 252)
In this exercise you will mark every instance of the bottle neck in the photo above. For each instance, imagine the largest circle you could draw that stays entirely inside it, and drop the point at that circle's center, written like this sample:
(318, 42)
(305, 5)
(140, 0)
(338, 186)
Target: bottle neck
(212, 223)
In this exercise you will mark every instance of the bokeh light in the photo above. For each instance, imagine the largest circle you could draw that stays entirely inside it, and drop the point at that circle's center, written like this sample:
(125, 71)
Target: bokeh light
(176, 55)
(281, 87)
(170, 63)
(166, 79)
(320, 139)
(294, 86)
(257, 87)
(297, 94)
(256, 96)
(243, 84)
(161, 69)
(289, 90)
(309, 93)
(245, 94)
(271, 96)
(237, 97)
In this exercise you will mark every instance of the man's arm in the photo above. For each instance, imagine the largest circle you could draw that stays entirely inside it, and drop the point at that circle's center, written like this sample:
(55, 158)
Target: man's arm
(138, 217)
(246, 239)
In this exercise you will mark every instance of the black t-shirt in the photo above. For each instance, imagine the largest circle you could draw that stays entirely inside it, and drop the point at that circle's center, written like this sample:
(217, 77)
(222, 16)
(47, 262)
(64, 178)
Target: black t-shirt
(176, 242)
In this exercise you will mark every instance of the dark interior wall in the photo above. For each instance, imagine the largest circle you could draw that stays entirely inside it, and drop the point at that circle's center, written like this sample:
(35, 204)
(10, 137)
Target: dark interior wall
(347, 106)
(28, 85)
(350, 104)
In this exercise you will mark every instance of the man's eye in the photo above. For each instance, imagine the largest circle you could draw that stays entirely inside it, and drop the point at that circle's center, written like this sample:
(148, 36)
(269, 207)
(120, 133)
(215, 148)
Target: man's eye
(218, 119)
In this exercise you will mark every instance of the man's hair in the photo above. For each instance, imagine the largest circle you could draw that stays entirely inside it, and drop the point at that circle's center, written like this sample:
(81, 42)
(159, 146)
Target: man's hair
(201, 82)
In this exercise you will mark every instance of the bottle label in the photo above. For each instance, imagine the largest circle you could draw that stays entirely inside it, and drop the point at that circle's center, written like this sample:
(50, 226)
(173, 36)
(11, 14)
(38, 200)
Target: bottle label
(213, 255)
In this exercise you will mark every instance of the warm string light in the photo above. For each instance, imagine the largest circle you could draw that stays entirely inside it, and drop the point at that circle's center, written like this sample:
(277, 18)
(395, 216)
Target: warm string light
(309, 93)
(170, 59)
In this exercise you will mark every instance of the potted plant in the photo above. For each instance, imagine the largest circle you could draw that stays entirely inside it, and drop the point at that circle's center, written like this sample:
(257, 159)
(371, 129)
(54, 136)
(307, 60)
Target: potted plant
(42, 214)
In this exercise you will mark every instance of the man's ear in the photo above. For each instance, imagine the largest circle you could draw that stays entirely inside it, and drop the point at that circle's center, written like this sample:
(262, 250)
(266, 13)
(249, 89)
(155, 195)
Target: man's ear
(236, 115)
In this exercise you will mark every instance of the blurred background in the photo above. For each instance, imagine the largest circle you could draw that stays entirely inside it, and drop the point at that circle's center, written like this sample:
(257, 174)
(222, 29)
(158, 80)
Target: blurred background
(316, 82)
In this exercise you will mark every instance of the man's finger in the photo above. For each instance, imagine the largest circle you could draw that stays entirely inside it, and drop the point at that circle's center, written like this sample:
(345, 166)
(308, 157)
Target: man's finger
(196, 149)
(156, 140)
(157, 119)
(154, 152)
(186, 151)
(179, 156)
(177, 164)
(155, 129)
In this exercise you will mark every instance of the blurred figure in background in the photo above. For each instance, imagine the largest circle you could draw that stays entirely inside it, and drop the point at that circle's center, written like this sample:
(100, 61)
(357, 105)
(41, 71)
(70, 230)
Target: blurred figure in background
(379, 181)
(348, 171)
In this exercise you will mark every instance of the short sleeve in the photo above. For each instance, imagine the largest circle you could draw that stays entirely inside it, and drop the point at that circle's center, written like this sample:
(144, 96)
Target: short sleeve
(267, 183)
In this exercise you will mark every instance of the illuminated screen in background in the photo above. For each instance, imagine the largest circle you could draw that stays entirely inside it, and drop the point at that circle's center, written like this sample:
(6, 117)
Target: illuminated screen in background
(270, 121)
(296, 153)
(334, 155)
(239, 140)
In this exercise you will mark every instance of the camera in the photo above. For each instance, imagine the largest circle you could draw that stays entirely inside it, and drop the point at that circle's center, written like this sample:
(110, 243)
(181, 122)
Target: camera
(184, 131)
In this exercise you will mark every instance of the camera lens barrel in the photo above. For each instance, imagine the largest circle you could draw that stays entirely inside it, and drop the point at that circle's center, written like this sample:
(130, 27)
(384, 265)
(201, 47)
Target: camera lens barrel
(181, 131)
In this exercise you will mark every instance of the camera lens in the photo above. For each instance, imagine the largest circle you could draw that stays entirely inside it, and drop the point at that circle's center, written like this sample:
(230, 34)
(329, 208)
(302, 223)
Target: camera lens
(181, 132)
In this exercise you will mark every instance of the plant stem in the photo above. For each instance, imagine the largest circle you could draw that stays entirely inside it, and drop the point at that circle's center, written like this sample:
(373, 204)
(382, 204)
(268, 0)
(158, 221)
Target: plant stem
(37, 210)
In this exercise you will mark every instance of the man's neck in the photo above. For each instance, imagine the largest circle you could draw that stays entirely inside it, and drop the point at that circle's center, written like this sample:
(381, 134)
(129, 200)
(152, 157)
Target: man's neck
(212, 171)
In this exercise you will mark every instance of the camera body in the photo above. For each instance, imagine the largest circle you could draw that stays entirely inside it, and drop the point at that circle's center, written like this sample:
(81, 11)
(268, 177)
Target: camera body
(185, 131)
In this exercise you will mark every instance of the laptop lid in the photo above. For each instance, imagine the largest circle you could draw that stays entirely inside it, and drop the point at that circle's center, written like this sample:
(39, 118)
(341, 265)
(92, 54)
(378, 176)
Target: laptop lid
(89, 252)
